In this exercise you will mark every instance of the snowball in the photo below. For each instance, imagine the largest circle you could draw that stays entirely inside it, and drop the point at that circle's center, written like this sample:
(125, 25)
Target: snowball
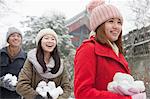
(111, 85)
(13, 79)
(39, 89)
(44, 94)
(7, 76)
(14, 82)
(42, 83)
(139, 85)
(54, 93)
(60, 90)
(126, 81)
(46, 88)
(125, 84)
(119, 77)
(50, 87)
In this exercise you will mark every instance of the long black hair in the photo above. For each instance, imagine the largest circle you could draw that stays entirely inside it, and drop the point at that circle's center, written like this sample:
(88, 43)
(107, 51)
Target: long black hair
(54, 54)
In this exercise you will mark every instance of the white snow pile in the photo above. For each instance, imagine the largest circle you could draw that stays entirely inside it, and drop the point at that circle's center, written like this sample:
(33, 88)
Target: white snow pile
(49, 87)
(126, 81)
(11, 78)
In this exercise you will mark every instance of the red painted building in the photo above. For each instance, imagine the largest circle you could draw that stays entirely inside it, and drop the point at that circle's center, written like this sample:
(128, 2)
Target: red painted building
(79, 27)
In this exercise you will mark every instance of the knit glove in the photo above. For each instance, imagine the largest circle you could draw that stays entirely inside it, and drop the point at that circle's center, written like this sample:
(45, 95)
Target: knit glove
(49, 96)
(39, 97)
(1, 80)
(139, 96)
(122, 91)
(6, 84)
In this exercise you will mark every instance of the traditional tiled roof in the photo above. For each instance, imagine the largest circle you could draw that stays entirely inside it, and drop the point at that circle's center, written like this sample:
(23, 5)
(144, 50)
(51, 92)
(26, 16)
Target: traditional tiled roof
(78, 20)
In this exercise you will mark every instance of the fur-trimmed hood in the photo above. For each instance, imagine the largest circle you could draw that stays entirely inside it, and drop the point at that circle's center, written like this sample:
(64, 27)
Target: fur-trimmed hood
(32, 58)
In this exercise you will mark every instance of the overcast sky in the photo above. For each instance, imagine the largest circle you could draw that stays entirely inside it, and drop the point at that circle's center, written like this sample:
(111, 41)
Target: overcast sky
(69, 8)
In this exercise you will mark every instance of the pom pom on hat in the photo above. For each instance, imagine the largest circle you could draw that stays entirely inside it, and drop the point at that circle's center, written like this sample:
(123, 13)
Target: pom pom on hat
(12, 30)
(101, 12)
(44, 32)
(93, 4)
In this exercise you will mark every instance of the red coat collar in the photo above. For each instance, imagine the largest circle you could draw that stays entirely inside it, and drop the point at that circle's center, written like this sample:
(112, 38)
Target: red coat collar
(106, 51)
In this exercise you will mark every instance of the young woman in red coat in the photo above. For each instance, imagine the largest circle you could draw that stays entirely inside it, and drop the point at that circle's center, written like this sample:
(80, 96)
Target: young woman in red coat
(100, 57)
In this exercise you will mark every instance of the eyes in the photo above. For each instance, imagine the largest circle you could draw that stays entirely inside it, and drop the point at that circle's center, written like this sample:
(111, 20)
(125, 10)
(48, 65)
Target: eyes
(118, 21)
(15, 35)
(49, 38)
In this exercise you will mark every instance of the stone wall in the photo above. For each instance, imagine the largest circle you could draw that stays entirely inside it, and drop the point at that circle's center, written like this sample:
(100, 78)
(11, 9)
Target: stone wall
(140, 68)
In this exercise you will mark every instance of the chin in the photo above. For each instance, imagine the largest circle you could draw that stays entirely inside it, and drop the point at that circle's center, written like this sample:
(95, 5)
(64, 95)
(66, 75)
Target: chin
(115, 39)
(49, 50)
(16, 45)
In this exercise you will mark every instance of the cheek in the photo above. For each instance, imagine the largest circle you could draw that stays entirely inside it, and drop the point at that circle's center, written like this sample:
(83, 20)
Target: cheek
(43, 47)
(42, 44)
(20, 39)
(108, 34)
(107, 30)
(55, 43)
(10, 41)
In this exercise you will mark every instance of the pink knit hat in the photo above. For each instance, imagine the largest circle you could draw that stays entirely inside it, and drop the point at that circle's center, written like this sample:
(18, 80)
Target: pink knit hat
(101, 12)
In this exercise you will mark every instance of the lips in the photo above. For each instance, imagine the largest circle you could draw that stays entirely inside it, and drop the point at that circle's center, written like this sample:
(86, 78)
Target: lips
(49, 45)
(114, 32)
(15, 41)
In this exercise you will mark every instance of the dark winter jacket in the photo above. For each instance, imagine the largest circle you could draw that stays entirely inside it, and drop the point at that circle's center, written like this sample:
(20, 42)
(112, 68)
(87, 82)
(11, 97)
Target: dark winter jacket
(12, 67)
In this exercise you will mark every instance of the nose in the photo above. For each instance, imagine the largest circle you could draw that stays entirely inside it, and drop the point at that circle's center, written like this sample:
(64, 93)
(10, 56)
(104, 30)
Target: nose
(16, 37)
(50, 41)
(115, 25)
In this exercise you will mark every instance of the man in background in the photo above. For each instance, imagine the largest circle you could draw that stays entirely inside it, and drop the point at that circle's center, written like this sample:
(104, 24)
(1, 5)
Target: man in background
(12, 58)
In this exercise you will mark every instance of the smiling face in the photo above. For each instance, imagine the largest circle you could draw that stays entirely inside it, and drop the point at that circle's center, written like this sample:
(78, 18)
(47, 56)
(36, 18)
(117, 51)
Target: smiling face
(48, 43)
(113, 28)
(15, 40)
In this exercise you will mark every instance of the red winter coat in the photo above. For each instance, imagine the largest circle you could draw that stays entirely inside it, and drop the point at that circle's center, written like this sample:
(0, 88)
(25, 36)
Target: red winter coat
(95, 66)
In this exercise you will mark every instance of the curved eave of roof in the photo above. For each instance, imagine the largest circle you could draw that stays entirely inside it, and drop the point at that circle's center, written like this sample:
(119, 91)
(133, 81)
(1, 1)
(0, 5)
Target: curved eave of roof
(76, 18)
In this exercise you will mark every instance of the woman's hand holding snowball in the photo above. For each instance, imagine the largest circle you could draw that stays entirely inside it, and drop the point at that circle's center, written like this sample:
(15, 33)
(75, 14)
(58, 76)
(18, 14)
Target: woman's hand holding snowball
(122, 91)
(124, 84)
(139, 96)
